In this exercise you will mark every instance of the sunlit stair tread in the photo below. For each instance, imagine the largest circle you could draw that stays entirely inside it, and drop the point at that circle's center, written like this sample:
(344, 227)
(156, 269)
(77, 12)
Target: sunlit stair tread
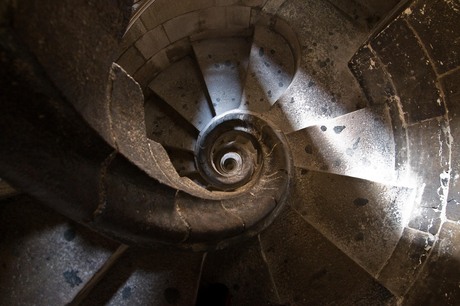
(324, 87)
(364, 219)
(181, 85)
(223, 63)
(270, 71)
(359, 144)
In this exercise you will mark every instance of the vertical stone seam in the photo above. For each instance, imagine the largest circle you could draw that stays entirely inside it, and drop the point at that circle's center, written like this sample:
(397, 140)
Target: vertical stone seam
(272, 279)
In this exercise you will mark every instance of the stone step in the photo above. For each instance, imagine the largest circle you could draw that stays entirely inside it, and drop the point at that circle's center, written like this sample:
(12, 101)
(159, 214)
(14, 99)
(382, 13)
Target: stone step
(363, 219)
(270, 72)
(181, 85)
(359, 144)
(223, 63)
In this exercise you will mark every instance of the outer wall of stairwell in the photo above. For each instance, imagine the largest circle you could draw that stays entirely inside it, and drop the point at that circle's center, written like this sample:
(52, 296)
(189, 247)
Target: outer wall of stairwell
(412, 66)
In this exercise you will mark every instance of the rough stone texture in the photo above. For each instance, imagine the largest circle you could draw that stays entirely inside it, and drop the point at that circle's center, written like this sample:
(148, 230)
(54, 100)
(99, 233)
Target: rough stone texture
(152, 42)
(207, 220)
(132, 34)
(318, 92)
(182, 26)
(451, 85)
(374, 81)
(76, 43)
(439, 280)
(429, 172)
(131, 60)
(378, 88)
(238, 16)
(364, 219)
(145, 277)
(160, 61)
(359, 144)
(403, 268)
(152, 18)
(411, 71)
(270, 71)
(34, 115)
(243, 270)
(45, 259)
(223, 64)
(165, 126)
(309, 270)
(436, 22)
(185, 92)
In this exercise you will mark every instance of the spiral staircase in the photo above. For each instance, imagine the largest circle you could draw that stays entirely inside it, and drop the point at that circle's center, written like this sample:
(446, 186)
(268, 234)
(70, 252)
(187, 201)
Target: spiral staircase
(230, 152)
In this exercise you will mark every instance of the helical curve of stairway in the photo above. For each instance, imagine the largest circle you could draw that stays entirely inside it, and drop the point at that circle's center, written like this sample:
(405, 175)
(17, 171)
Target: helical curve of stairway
(230, 152)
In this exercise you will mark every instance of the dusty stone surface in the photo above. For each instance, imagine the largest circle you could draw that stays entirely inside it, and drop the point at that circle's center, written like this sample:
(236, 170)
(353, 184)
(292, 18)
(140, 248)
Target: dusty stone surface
(223, 64)
(359, 144)
(363, 219)
(451, 84)
(47, 259)
(412, 74)
(141, 276)
(406, 262)
(309, 269)
(430, 171)
(439, 280)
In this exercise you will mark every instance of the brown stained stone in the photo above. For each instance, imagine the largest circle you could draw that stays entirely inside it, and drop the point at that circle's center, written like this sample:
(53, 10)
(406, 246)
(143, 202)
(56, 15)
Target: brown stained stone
(437, 24)
(430, 171)
(411, 71)
(439, 281)
(406, 261)
(368, 70)
(451, 84)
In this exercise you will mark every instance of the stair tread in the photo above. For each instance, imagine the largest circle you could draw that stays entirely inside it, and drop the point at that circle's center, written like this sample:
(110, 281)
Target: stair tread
(223, 63)
(359, 144)
(364, 219)
(324, 87)
(181, 86)
(271, 70)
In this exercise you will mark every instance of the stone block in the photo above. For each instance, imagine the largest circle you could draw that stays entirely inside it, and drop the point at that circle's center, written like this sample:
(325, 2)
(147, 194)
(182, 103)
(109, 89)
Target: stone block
(411, 71)
(133, 34)
(238, 16)
(437, 24)
(430, 171)
(451, 85)
(131, 60)
(407, 260)
(309, 270)
(438, 282)
(163, 10)
(212, 18)
(182, 26)
(152, 42)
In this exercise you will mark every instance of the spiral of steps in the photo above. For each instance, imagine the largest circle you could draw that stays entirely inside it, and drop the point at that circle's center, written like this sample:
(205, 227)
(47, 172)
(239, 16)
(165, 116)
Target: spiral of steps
(223, 152)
